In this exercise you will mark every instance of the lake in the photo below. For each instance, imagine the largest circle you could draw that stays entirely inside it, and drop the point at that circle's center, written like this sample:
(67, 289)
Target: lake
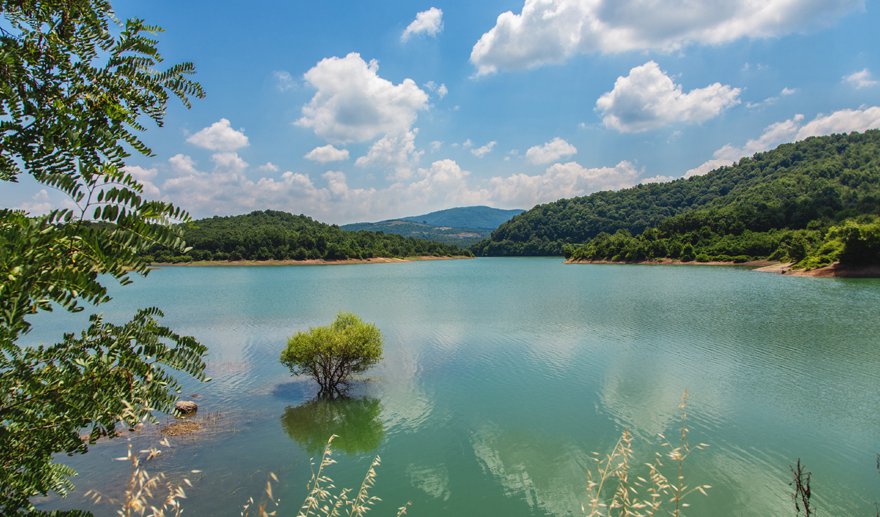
(502, 376)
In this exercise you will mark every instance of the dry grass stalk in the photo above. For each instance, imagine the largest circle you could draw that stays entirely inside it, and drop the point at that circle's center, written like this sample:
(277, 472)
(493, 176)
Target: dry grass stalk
(146, 495)
(640, 497)
(321, 499)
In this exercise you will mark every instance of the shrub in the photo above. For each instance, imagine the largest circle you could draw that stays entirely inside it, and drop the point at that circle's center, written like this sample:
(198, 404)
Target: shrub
(333, 353)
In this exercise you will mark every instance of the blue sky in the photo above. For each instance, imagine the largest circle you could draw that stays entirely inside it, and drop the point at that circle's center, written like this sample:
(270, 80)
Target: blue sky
(354, 111)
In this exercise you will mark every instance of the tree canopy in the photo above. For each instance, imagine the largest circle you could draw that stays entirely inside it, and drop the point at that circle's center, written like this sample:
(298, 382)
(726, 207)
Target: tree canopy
(270, 234)
(333, 353)
(76, 88)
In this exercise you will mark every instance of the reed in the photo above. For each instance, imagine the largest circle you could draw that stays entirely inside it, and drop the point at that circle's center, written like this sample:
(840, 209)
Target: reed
(616, 488)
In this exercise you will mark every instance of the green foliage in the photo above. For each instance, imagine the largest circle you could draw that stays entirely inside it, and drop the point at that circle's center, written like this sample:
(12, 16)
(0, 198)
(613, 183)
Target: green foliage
(853, 243)
(76, 87)
(331, 354)
(802, 186)
(270, 234)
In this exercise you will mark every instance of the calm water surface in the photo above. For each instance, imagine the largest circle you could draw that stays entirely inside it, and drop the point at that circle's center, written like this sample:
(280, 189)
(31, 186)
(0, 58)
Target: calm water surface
(502, 376)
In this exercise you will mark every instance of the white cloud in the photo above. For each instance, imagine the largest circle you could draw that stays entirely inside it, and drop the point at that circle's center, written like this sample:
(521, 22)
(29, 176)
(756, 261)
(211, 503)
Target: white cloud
(483, 150)
(145, 177)
(331, 198)
(327, 153)
(268, 167)
(648, 99)
(396, 153)
(229, 162)
(792, 130)
(441, 90)
(354, 104)
(552, 31)
(550, 152)
(657, 179)
(428, 22)
(788, 91)
(283, 80)
(843, 121)
(861, 79)
(219, 136)
(436, 145)
(560, 180)
(38, 204)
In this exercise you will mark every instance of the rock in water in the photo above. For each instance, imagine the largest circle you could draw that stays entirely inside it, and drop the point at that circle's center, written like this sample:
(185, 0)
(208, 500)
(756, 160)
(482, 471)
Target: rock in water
(186, 407)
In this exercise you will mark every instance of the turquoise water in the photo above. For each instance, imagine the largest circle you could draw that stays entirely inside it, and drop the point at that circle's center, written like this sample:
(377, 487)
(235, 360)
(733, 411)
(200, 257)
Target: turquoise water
(502, 376)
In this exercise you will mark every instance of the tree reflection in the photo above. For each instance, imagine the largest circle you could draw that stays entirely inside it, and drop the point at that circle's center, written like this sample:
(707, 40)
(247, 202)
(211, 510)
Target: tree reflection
(354, 420)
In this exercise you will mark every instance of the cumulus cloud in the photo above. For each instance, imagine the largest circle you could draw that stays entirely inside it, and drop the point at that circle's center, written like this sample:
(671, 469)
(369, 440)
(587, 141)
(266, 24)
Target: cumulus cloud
(441, 90)
(331, 197)
(327, 153)
(354, 104)
(268, 167)
(428, 22)
(861, 79)
(219, 136)
(552, 31)
(229, 162)
(397, 154)
(38, 204)
(483, 150)
(657, 179)
(647, 99)
(550, 152)
(561, 180)
(283, 80)
(792, 130)
(146, 177)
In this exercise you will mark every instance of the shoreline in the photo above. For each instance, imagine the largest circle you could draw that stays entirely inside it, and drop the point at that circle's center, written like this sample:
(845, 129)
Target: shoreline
(761, 266)
(308, 262)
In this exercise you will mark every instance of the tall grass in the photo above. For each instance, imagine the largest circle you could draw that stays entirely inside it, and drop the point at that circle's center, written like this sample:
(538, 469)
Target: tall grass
(616, 488)
(322, 498)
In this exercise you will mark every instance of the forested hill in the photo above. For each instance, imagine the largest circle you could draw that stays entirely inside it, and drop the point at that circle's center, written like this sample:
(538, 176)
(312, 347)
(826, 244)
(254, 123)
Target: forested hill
(480, 217)
(813, 183)
(461, 226)
(281, 236)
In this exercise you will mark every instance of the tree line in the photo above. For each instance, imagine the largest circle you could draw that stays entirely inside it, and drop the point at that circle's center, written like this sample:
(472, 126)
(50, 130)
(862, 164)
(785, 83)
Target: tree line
(275, 235)
(779, 204)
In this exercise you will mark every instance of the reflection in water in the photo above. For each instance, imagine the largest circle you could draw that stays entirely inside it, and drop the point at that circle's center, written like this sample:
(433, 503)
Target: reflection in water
(354, 420)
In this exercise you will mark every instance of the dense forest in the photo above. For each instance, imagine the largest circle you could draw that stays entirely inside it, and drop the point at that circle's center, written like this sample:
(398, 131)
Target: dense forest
(780, 204)
(273, 235)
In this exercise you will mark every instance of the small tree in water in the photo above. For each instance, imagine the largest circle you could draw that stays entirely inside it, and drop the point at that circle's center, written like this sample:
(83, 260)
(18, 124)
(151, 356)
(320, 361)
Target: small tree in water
(333, 353)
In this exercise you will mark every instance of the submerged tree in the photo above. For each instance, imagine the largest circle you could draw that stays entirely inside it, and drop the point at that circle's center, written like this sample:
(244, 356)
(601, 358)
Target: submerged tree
(76, 85)
(333, 353)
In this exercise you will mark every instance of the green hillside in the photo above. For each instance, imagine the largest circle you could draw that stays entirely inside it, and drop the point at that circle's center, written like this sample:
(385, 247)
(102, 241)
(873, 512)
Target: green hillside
(277, 235)
(462, 226)
(475, 217)
(749, 209)
(443, 234)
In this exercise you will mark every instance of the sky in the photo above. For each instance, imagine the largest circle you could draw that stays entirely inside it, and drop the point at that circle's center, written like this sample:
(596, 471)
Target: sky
(353, 111)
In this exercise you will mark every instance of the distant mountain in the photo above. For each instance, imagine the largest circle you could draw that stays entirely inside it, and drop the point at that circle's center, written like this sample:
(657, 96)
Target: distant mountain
(479, 217)
(461, 226)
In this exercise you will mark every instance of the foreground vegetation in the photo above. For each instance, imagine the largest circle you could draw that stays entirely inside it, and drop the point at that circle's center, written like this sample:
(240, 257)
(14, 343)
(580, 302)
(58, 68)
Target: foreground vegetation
(854, 243)
(274, 235)
(76, 88)
(776, 205)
